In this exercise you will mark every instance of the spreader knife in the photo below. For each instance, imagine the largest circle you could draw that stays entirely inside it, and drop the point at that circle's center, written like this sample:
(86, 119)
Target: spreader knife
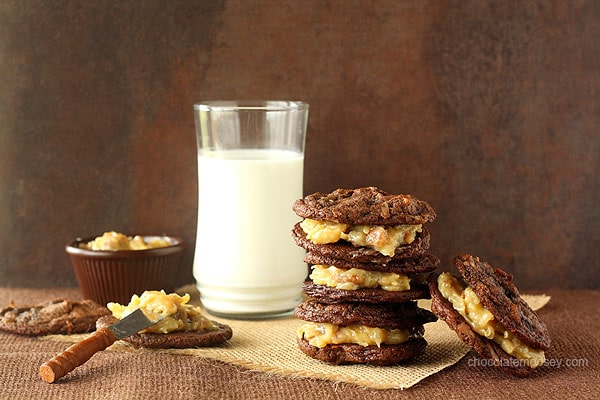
(80, 352)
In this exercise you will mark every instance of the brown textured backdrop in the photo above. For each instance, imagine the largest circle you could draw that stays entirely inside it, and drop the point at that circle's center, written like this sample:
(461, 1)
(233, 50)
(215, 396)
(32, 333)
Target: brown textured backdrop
(488, 110)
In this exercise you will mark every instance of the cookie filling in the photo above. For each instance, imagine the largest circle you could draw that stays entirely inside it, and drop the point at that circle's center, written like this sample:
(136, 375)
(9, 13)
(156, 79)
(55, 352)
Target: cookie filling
(114, 241)
(322, 334)
(467, 304)
(355, 278)
(384, 239)
(171, 310)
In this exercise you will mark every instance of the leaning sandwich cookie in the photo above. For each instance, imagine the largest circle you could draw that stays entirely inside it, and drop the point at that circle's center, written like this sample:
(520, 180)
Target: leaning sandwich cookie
(486, 311)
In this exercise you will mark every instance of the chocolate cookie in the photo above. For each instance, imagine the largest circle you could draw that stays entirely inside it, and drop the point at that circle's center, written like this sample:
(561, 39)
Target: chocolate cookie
(347, 251)
(416, 265)
(175, 340)
(331, 295)
(498, 294)
(383, 315)
(493, 288)
(364, 206)
(52, 317)
(356, 354)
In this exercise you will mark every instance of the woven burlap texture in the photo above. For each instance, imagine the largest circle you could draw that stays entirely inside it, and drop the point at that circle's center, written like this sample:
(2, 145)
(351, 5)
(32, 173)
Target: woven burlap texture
(270, 346)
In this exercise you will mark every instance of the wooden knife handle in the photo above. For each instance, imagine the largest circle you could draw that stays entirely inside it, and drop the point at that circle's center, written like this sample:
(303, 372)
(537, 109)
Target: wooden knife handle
(76, 355)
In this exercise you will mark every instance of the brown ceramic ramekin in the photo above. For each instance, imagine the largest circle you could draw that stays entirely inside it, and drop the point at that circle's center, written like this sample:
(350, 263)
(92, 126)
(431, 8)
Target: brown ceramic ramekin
(114, 276)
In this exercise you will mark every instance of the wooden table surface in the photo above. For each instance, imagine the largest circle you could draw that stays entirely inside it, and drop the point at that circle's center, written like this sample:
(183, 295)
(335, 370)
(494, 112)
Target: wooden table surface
(572, 370)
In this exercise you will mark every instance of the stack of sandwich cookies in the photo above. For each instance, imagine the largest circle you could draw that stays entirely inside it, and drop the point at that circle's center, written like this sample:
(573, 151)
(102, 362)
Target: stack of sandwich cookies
(367, 249)
(486, 311)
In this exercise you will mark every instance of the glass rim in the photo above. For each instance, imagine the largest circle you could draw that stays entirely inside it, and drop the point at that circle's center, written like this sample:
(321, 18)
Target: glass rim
(259, 105)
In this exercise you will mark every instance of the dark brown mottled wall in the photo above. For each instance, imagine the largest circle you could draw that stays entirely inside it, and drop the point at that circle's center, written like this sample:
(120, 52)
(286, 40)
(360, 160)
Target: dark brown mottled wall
(519, 87)
(488, 110)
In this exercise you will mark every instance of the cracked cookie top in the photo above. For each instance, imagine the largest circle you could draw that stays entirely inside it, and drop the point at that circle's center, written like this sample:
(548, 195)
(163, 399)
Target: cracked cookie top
(364, 206)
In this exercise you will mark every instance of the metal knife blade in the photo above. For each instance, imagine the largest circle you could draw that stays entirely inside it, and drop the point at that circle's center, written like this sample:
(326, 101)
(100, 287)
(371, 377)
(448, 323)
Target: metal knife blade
(133, 323)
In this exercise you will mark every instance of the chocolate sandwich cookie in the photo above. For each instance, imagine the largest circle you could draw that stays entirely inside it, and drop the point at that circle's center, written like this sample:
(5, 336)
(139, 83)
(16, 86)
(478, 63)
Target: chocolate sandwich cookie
(383, 315)
(416, 265)
(382, 355)
(364, 206)
(486, 311)
(52, 317)
(331, 295)
(351, 333)
(365, 225)
(176, 339)
(343, 281)
(347, 251)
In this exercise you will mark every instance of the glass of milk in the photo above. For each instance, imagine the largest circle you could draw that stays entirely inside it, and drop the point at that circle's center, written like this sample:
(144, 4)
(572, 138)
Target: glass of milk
(250, 172)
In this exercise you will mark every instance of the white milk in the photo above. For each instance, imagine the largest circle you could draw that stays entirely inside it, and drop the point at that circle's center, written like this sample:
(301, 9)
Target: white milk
(246, 260)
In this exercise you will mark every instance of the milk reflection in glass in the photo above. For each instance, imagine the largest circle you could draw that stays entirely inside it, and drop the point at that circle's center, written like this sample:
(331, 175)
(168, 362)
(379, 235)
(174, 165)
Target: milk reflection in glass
(246, 262)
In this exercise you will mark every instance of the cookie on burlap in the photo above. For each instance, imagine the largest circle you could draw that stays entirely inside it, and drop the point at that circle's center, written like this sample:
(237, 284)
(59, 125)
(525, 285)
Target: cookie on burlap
(347, 251)
(497, 293)
(174, 340)
(383, 315)
(364, 206)
(53, 317)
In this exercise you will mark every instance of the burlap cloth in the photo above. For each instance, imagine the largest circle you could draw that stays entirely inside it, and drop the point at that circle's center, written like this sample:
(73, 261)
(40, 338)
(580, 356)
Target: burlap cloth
(270, 346)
